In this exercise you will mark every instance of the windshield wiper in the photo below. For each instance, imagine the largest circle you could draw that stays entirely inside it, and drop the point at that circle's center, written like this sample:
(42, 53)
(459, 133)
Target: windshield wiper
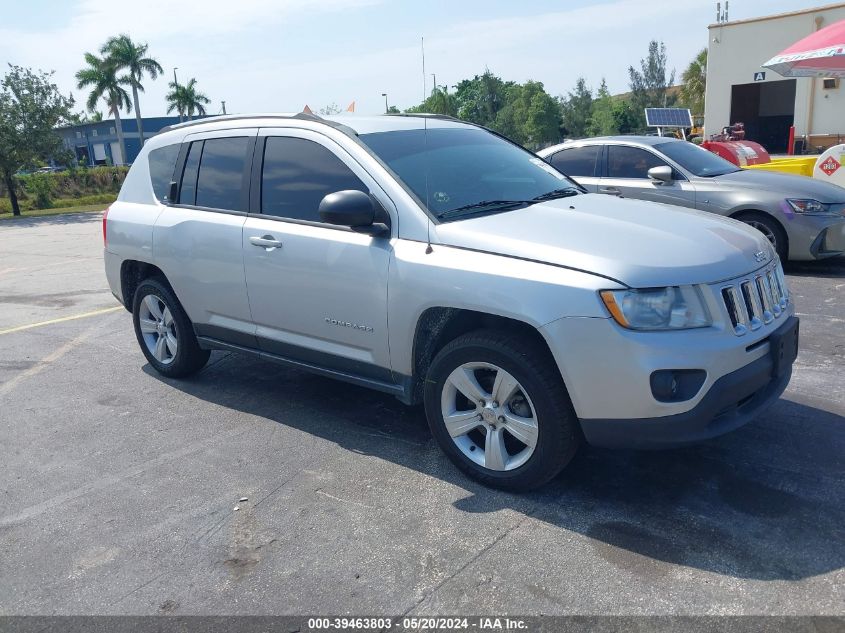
(482, 207)
(557, 193)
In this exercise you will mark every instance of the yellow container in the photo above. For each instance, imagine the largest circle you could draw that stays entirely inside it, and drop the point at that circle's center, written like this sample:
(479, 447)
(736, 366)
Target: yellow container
(799, 165)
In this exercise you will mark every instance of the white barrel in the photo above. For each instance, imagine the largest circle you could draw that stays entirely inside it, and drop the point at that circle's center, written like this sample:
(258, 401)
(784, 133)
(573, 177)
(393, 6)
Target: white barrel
(830, 167)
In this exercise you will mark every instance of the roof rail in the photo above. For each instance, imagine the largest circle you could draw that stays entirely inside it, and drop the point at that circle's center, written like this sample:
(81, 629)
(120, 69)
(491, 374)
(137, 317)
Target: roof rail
(240, 117)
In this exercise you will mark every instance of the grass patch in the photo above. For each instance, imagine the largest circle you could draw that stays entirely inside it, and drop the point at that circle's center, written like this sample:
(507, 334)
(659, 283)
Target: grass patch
(81, 208)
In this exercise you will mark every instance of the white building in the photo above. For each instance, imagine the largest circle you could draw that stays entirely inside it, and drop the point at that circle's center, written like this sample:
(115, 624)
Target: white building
(740, 90)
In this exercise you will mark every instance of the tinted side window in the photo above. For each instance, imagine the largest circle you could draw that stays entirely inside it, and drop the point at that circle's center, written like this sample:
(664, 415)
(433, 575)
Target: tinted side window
(298, 174)
(162, 162)
(578, 161)
(221, 173)
(630, 162)
(188, 190)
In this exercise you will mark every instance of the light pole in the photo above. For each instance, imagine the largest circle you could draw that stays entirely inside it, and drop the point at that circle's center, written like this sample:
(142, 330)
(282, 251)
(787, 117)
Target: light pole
(434, 80)
(175, 81)
(384, 94)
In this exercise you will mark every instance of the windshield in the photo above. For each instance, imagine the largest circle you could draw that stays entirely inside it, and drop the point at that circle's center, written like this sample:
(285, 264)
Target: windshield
(696, 159)
(462, 172)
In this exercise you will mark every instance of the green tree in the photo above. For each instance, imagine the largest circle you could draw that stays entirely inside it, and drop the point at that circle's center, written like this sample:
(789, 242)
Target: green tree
(393, 110)
(439, 102)
(479, 99)
(525, 113)
(124, 54)
(330, 109)
(695, 82)
(31, 106)
(625, 120)
(602, 120)
(576, 108)
(184, 99)
(530, 116)
(101, 76)
(649, 85)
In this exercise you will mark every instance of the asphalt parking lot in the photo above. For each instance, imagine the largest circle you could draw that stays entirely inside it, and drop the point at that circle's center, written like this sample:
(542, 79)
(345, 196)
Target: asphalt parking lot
(119, 487)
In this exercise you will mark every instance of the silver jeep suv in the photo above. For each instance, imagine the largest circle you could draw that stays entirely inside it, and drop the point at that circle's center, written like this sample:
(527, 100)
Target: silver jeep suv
(436, 261)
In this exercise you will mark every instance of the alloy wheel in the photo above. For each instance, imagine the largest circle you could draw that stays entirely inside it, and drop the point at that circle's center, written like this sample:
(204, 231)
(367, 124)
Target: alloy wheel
(158, 329)
(489, 416)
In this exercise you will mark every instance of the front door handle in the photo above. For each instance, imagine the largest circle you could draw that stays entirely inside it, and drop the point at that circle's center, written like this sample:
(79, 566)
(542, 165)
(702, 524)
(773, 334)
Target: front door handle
(267, 242)
(613, 191)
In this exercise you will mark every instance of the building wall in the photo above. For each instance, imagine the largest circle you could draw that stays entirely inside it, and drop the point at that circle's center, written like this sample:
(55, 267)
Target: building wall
(100, 138)
(735, 52)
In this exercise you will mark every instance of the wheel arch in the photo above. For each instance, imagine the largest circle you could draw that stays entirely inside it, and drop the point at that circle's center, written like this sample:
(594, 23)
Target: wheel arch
(132, 273)
(739, 214)
(437, 326)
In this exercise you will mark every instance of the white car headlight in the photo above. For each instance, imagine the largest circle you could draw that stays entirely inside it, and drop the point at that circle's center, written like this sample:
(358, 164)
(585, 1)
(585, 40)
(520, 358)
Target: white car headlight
(672, 308)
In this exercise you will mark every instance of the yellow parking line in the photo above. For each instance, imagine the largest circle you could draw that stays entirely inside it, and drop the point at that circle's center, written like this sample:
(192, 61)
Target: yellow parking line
(61, 320)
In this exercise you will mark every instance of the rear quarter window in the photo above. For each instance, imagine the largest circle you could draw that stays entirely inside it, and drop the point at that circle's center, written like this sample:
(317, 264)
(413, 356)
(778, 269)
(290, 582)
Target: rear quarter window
(162, 163)
(577, 161)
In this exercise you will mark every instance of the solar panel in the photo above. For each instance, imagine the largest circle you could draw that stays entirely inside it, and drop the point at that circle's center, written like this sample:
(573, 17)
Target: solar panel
(668, 117)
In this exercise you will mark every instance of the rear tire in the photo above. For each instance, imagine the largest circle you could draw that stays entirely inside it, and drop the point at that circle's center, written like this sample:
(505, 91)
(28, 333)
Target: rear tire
(769, 227)
(165, 332)
(517, 444)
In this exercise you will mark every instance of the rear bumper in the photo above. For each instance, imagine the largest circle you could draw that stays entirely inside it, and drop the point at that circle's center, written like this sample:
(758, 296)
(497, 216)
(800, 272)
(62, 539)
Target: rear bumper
(732, 401)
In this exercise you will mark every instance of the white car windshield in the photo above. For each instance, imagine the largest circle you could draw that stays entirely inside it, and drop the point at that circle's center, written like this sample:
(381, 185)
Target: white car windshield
(461, 172)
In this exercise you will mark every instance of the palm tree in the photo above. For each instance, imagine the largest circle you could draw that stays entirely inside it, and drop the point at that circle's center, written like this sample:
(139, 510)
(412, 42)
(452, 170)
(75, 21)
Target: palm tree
(101, 76)
(127, 55)
(185, 99)
(695, 81)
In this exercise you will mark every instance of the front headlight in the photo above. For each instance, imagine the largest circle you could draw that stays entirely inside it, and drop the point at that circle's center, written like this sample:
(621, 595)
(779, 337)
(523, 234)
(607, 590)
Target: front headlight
(673, 308)
(807, 206)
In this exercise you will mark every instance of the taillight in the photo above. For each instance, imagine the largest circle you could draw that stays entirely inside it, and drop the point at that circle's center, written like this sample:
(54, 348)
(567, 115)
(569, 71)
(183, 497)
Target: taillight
(105, 219)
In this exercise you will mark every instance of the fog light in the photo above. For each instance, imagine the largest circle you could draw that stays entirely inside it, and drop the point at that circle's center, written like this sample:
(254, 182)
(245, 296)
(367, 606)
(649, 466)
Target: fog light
(676, 385)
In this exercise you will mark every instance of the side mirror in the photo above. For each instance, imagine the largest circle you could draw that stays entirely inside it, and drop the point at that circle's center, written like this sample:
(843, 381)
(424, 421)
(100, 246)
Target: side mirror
(351, 208)
(661, 174)
(172, 192)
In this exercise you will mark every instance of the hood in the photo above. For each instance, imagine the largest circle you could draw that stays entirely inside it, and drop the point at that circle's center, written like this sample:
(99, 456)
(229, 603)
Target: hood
(790, 185)
(642, 244)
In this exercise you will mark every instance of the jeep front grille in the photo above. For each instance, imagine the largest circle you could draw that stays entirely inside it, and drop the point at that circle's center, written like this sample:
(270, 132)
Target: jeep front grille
(757, 300)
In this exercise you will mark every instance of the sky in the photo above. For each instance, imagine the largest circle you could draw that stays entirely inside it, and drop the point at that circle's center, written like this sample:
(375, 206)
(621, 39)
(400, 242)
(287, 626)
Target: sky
(279, 55)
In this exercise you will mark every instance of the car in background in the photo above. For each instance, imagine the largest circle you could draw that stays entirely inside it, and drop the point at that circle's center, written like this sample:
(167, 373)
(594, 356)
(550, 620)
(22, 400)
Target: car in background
(802, 218)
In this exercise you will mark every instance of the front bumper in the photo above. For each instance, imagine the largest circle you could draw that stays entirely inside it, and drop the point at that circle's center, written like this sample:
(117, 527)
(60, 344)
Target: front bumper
(732, 401)
(830, 242)
(607, 372)
(815, 237)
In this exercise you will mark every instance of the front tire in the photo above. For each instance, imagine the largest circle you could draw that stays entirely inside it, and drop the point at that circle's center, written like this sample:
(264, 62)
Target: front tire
(165, 332)
(497, 406)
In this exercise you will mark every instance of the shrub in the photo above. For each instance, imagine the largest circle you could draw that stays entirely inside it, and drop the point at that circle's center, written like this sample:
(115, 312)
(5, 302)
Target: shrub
(40, 188)
(100, 198)
(75, 183)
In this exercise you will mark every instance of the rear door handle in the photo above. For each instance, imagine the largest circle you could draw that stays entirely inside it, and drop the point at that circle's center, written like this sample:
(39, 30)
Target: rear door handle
(613, 191)
(267, 242)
